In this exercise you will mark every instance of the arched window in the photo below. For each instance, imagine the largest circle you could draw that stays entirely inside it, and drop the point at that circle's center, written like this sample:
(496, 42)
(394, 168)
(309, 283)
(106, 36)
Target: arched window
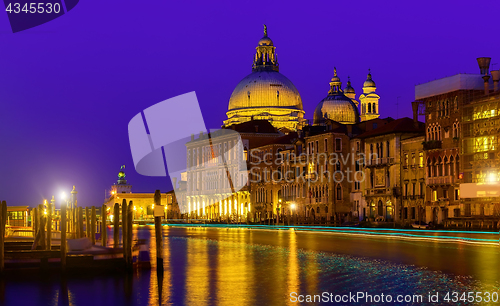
(452, 166)
(440, 166)
(369, 107)
(434, 167)
(446, 166)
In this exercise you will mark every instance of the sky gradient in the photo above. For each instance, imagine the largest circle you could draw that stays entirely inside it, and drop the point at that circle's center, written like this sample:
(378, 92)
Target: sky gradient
(69, 87)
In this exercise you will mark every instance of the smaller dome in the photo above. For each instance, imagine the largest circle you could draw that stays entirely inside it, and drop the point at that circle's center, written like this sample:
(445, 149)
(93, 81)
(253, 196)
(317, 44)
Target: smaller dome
(369, 82)
(265, 41)
(337, 108)
(348, 89)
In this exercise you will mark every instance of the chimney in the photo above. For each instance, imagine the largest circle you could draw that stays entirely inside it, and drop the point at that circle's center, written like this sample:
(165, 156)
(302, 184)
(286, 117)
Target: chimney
(496, 77)
(192, 137)
(414, 107)
(484, 67)
(201, 134)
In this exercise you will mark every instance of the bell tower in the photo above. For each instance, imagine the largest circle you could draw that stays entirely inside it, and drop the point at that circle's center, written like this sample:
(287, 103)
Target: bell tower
(369, 100)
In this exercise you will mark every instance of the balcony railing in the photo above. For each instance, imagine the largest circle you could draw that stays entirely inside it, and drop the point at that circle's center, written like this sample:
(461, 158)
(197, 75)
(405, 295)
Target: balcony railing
(440, 180)
(379, 191)
(432, 144)
(380, 161)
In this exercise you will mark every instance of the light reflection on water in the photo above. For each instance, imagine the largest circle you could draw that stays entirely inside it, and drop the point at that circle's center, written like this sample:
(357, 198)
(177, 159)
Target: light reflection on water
(242, 267)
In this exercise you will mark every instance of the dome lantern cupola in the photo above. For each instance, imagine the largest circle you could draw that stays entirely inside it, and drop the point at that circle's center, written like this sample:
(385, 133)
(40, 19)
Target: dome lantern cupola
(265, 57)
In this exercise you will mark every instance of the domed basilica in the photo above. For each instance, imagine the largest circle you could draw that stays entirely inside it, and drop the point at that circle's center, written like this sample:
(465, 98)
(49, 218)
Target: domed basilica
(266, 94)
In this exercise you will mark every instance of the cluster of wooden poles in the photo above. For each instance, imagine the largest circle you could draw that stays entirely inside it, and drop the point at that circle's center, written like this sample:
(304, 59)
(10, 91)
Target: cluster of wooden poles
(71, 225)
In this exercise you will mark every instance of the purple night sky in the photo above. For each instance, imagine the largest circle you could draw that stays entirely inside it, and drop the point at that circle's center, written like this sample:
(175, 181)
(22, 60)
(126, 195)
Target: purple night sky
(69, 87)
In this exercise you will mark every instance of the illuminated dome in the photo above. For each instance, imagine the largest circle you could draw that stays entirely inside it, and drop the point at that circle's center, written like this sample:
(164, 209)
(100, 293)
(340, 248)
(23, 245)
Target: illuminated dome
(336, 106)
(265, 89)
(349, 89)
(265, 41)
(369, 82)
(266, 94)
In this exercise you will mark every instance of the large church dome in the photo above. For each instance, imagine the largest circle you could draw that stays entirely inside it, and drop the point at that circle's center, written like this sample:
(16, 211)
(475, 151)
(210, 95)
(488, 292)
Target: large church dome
(264, 89)
(336, 106)
(266, 94)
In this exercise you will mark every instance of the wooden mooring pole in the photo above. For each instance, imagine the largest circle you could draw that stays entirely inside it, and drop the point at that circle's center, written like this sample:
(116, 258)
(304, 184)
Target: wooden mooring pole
(93, 226)
(124, 229)
(3, 218)
(49, 227)
(63, 226)
(80, 222)
(104, 231)
(41, 226)
(158, 235)
(130, 210)
(116, 224)
(87, 222)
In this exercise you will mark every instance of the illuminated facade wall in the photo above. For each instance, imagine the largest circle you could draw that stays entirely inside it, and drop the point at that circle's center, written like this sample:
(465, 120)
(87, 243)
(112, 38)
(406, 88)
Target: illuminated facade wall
(209, 194)
(413, 185)
(480, 153)
(442, 145)
(143, 204)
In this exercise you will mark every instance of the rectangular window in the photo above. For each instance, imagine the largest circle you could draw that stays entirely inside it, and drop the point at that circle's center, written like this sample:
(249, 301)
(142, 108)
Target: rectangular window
(457, 194)
(413, 159)
(326, 145)
(414, 189)
(445, 193)
(413, 212)
(406, 160)
(434, 195)
(421, 159)
(338, 144)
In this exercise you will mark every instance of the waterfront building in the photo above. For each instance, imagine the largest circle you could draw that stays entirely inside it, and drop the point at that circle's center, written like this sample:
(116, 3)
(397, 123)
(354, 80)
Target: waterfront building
(382, 188)
(143, 208)
(18, 216)
(413, 180)
(481, 160)
(442, 102)
(211, 180)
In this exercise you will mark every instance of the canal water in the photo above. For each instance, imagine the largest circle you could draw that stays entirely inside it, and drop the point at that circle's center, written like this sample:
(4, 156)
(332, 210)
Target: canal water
(231, 266)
